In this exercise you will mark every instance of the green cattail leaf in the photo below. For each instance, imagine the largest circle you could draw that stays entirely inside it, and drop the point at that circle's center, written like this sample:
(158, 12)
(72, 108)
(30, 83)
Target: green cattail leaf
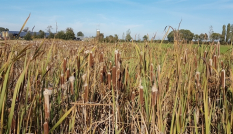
(4, 86)
(62, 118)
(17, 87)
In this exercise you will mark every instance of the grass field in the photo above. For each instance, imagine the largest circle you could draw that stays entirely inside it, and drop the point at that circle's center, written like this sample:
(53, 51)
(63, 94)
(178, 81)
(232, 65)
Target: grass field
(56, 86)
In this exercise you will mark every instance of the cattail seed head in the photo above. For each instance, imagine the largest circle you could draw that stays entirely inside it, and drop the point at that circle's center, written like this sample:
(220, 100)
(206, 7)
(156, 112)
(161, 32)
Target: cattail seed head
(215, 61)
(46, 99)
(132, 96)
(101, 76)
(85, 92)
(78, 63)
(84, 76)
(154, 94)
(198, 78)
(141, 94)
(223, 77)
(210, 67)
(64, 65)
(101, 57)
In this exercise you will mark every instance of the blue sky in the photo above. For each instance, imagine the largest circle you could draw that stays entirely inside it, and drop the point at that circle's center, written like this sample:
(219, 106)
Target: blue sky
(117, 16)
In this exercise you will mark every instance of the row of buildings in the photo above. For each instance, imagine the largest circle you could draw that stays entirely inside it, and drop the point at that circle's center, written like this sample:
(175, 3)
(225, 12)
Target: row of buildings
(16, 34)
(13, 34)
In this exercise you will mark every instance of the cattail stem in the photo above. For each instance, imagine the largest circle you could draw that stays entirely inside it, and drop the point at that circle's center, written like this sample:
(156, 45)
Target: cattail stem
(64, 65)
(222, 64)
(114, 76)
(101, 76)
(151, 73)
(109, 80)
(210, 65)
(141, 95)
(118, 79)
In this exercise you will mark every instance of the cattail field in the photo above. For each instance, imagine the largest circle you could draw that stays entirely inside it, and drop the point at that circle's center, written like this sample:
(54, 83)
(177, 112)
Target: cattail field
(55, 86)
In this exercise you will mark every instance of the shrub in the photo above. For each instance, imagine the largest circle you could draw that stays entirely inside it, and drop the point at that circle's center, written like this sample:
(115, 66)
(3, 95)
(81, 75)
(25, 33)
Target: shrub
(28, 36)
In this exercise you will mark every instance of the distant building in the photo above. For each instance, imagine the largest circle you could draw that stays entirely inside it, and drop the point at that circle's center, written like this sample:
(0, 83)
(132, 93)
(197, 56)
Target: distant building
(80, 38)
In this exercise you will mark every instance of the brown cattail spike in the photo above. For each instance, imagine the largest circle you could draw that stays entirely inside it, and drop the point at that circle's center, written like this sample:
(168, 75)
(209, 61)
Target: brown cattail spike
(101, 76)
(198, 78)
(46, 128)
(101, 57)
(90, 60)
(78, 63)
(223, 77)
(72, 79)
(64, 65)
(85, 92)
(210, 65)
(215, 61)
(46, 100)
(154, 94)
(132, 96)
(141, 94)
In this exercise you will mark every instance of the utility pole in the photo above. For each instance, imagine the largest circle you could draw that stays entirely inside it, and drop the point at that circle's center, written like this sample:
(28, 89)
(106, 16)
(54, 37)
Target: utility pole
(56, 27)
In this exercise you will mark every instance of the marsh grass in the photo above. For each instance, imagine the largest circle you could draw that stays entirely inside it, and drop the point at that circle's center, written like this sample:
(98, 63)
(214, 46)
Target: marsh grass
(115, 88)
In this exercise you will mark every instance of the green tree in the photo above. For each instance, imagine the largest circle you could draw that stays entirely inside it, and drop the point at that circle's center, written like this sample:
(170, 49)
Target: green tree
(223, 36)
(128, 36)
(170, 36)
(41, 34)
(184, 34)
(61, 35)
(49, 28)
(228, 32)
(3, 29)
(201, 37)
(145, 37)
(101, 37)
(80, 33)
(69, 34)
(26, 29)
(215, 36)
(51, 35)
(210, 33)
(231, 33)
(115, 37)
(196, 37)
(28, 36)
(34, 35)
